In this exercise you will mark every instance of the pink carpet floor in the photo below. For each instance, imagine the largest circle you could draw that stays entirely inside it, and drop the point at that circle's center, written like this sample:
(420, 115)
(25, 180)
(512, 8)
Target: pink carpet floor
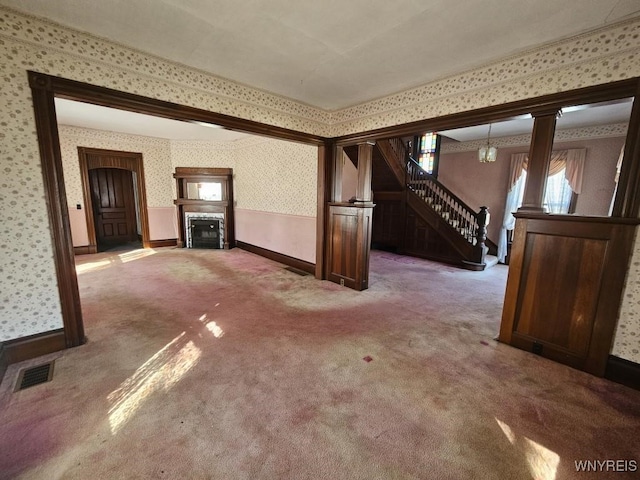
(223, 365)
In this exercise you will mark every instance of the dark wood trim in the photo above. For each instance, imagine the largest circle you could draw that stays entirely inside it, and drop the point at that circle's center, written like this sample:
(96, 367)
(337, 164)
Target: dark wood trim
(45, 87)
(278, 257)
(131, 161)
(186, 175)
(627, 201)
(3, 362)
(389, 196)
(607, 244)
(556, 217)
(85, 250)
(26, 348)
(534, 106)
(623, 371)
(544, 128)
(365, 170)
(326, 160)
(57, 209)
(84, 92)
(169, 242)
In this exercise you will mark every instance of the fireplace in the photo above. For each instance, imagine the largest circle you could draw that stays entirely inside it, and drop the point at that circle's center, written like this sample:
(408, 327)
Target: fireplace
(204, 201)
(204, 230)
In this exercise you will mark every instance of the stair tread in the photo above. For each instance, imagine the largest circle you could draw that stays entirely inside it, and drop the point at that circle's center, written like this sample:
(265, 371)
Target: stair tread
(490, 261)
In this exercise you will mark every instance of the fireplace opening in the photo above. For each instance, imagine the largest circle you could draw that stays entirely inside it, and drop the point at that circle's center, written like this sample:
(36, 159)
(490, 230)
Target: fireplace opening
(205, 233)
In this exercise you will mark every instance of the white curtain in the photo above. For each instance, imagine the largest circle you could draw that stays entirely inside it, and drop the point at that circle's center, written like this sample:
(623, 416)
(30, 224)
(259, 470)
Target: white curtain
(572, 161)
(514, 199)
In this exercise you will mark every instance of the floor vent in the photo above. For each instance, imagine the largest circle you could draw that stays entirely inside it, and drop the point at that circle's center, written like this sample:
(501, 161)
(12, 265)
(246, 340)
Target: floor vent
(297, 271)
(29, 377)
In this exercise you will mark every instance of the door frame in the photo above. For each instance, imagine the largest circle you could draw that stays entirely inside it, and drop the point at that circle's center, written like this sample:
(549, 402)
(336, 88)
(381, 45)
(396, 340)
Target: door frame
(44, 88)
(130, 161)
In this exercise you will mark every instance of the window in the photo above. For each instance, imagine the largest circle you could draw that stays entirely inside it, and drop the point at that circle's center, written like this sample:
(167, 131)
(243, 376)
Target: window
(428, 152)
(558, 193)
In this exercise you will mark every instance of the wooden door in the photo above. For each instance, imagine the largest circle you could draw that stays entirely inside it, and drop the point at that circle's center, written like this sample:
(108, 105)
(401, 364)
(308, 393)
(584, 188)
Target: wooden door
(114, 209)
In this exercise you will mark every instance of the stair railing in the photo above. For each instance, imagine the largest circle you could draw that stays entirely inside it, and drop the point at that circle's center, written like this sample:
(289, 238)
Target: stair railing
(470, 225)
(399, 149)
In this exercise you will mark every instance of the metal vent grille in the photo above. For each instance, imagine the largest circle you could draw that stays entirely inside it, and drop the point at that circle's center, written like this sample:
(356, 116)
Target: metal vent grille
(297, 271)
(29, 377)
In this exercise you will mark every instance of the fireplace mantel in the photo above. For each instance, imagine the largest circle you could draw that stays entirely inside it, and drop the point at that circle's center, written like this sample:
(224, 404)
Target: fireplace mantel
(205, 191)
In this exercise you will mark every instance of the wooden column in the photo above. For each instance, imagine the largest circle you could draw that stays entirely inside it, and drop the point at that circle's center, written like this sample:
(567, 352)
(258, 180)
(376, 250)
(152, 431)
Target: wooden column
(365, 165)
(544, 128)
(348, 228)
(338, 167)
(627, 201)
(326, 173)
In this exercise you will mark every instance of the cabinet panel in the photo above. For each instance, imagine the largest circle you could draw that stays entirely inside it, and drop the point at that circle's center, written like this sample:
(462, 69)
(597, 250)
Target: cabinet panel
(564, 287)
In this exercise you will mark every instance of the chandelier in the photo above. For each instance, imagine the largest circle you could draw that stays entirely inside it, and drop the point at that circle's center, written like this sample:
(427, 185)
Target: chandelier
(487, 153)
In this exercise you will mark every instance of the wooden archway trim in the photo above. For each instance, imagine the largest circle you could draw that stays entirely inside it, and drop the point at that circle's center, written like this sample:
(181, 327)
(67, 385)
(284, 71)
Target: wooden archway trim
(92, 158)
(45, 87)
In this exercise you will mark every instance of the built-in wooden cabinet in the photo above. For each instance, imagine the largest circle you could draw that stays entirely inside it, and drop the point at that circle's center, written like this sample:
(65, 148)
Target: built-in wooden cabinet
(349, 244)
(205, 193)
(566, 278)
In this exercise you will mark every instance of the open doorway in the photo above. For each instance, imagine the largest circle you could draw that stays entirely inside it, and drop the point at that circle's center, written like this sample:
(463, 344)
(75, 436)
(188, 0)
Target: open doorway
(115, 199)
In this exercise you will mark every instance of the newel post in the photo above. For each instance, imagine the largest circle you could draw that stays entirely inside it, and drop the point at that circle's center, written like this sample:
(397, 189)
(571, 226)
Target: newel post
(481, 235)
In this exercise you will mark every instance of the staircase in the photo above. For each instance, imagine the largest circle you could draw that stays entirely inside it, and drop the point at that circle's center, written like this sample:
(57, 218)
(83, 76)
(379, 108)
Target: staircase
(464, 229)
(433, 222)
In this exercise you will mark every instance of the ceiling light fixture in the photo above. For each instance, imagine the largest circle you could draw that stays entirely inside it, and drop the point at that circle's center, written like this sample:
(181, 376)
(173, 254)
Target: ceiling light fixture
(488, 153)
(206, 124)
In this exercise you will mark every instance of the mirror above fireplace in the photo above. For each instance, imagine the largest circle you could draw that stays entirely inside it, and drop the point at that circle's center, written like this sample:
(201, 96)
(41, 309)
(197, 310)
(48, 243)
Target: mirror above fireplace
(205, 207)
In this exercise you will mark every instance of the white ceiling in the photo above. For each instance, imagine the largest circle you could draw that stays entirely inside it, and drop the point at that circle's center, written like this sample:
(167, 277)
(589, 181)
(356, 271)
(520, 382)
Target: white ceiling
(332, 53)
(606, 113)
(86, 115)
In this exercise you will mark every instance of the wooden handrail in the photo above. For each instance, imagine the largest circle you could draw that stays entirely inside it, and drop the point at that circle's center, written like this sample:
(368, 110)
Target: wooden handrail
(469, 224)
(399, 149)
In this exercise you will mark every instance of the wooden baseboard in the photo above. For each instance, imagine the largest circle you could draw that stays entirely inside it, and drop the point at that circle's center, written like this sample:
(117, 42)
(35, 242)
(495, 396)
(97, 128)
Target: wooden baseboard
(26, 348)
(170, 242)
(278, 257)
(85, 249)
(623, 371)
(3, 362)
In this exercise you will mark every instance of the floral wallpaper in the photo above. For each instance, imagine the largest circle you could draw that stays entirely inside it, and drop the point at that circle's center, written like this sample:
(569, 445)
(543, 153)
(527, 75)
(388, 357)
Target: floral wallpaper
(42, 45)
(156, 160)
(600, 56)
(269, 175)
(263, 181)
(627, 337)
(29, 301)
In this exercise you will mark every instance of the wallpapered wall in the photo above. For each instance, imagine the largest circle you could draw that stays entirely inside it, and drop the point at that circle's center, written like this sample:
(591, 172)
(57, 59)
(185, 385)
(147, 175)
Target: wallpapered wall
(480, 184)
(29, 300)
(270, 175)
(155, 152)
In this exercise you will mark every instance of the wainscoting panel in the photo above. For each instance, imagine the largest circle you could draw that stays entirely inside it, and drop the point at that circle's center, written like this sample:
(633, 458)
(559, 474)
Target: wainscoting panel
(291, 235)
(564, 287)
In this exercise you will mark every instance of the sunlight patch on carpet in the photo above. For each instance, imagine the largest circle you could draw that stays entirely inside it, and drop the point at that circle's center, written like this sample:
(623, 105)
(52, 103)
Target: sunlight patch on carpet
(158, 374)
(542, 462)
(92, 266)
(212, 326)
(136, 254)
(506, 429)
